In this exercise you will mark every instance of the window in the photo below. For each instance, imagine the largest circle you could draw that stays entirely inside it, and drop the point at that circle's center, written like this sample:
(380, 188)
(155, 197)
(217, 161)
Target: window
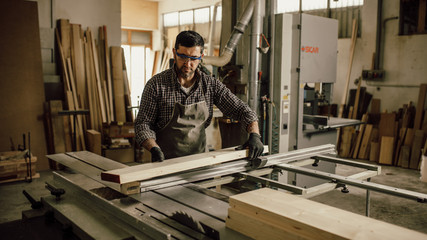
(342, 10)
(199, 20)
(139, 58)
(412, 17)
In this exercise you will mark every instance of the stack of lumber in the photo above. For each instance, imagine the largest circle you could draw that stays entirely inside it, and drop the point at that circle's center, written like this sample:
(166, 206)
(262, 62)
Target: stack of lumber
(395, 138)
(93, 80)
(14, 166)
(271, 214)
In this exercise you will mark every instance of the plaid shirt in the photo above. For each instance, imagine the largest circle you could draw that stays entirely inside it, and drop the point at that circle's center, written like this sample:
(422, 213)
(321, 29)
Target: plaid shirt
(161, 92)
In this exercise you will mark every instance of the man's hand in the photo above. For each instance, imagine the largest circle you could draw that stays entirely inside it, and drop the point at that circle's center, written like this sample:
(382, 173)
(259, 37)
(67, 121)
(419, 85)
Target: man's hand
(255, 146)
(157, 155)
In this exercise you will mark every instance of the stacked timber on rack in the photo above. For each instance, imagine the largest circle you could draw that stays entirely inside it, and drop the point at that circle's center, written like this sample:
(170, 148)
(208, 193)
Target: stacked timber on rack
(271, 214)
(395, 138)
(88, 76)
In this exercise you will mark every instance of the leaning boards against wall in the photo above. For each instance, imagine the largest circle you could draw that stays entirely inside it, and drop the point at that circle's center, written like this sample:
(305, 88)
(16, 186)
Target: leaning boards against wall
(88, 89)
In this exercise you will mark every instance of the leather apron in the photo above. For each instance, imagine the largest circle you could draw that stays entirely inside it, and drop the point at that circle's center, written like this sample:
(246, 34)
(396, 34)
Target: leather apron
(185, 133)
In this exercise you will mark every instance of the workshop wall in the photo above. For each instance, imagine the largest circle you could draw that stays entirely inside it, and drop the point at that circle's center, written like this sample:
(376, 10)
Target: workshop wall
(93, 14)
(403, 60)
(139, 14)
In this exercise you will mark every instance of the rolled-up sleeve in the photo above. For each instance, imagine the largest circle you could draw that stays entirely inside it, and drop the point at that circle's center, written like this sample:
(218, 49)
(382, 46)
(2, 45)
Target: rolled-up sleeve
(145, 120)
(230, 105)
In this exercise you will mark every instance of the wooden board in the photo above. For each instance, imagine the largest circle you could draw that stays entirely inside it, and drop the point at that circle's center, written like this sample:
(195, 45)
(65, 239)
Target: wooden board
(91, 165)
(97, 76)
(304, 219)
(374, 152)
(420, 106)
(78, 65)
(404, 156)
(93, 141)
(57, 126)
(387, 125)
(118, 84)
(375, 106)
(151, 170)
(418, 143)
(22, 92)
(386, 150)
(367, 138)
(409, 138)
(360, 135)
(402, 134)
(345, 145)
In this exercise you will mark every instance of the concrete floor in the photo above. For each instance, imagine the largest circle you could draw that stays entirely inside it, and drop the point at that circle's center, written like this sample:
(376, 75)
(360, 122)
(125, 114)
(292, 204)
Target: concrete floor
(395, 210)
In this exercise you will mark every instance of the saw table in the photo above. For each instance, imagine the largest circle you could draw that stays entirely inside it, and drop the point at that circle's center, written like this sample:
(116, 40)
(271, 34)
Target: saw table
(184, 205)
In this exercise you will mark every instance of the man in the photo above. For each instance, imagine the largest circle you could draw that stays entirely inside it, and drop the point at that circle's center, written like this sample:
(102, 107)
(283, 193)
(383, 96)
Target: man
(177, 106)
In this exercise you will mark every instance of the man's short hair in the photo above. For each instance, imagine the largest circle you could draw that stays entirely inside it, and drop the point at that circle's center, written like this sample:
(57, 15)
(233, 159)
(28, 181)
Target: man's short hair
(189, 39)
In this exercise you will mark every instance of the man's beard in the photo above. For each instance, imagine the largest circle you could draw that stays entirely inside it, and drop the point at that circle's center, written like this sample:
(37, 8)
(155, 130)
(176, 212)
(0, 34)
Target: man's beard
(185, 74)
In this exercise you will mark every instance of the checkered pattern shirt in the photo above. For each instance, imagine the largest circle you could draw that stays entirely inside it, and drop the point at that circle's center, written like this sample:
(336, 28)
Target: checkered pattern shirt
(161, 92)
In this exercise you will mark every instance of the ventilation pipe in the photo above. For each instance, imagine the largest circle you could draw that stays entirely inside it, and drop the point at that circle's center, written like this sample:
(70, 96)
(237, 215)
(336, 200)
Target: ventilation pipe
(212, 29)
(233, 40)
(255, 66)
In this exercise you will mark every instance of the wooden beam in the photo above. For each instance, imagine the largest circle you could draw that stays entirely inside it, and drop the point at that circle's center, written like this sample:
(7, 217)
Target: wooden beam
(260, 212)
(418, 143)
(420, 107)
(360, 136)
(151, 170)
(118, 84)
(350, 64)
(366, 140)
(386, 150)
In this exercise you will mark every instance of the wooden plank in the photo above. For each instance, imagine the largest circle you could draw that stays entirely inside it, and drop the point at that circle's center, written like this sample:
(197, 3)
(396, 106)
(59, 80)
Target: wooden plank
(128, 101)
(356, 101)
(255, 228)
(79, 131)
(93, 171)
(78, 66)
(420, 106)
(345, 145)
(404, 156)
(65, 28)
(58, 133)
(350, 65)
(118, 84)
(409, 138)
(151, 170)
(97, 77)
(367, 138)
(307, 219)
(93, 141)
(387, 125)
(360, 136)
(418, 143)
(386, 150)
(108, 73)
(374, 152)
(402, 135)
(424, 125)
(375, 106)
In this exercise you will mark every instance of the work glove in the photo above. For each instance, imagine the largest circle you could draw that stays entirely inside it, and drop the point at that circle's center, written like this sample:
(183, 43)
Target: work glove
(255, 146)
(157, 155)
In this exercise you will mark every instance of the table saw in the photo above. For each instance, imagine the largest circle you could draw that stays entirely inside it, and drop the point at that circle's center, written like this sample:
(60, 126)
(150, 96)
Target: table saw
(188, 204)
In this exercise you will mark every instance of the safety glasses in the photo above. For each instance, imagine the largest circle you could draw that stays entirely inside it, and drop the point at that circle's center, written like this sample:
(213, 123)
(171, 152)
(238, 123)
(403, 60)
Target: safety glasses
(186, 58)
